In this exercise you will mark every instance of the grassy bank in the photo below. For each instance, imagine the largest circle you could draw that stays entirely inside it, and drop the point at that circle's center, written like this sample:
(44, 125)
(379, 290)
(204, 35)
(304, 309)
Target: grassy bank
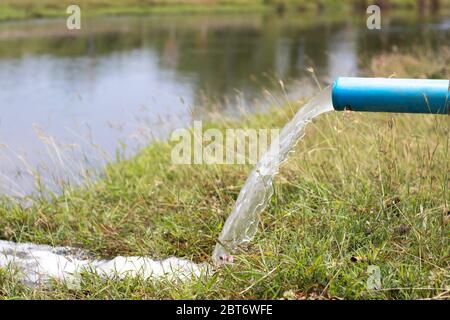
(22, 9)
(360, 190)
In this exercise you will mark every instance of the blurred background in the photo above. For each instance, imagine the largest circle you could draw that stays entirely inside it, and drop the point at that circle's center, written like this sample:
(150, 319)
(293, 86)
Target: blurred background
(73, 100)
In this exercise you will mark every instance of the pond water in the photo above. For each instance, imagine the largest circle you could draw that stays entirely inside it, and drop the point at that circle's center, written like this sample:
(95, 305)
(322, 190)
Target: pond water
(69, 100)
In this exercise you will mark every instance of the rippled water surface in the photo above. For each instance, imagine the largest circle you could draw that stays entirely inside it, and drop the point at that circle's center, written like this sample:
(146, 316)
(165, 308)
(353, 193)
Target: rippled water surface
(67, 99)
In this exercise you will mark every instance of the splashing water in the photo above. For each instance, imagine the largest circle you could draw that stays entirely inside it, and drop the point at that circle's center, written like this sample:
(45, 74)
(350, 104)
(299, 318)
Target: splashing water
(242, 223)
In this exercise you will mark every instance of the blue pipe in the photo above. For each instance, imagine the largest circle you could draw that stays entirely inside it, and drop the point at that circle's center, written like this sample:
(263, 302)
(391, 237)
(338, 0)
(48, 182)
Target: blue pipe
(392, 95)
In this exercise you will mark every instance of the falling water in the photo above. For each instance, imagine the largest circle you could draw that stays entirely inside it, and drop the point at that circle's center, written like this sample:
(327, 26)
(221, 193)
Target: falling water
(242, 223)
(37, 264)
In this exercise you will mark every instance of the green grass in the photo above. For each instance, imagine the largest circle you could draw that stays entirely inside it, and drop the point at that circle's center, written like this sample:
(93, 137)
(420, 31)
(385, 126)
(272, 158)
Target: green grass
(360, 190)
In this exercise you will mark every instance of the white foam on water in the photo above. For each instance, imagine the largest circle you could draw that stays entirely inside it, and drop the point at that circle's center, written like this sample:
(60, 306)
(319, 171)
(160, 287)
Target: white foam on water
(38, 264)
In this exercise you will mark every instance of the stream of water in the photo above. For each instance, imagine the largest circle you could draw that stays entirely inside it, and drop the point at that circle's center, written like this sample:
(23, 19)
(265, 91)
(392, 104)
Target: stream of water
(37, 264)
(242, 223)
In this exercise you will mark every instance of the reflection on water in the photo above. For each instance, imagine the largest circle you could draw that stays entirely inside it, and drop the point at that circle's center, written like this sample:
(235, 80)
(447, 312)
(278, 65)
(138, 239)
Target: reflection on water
(65, 95)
